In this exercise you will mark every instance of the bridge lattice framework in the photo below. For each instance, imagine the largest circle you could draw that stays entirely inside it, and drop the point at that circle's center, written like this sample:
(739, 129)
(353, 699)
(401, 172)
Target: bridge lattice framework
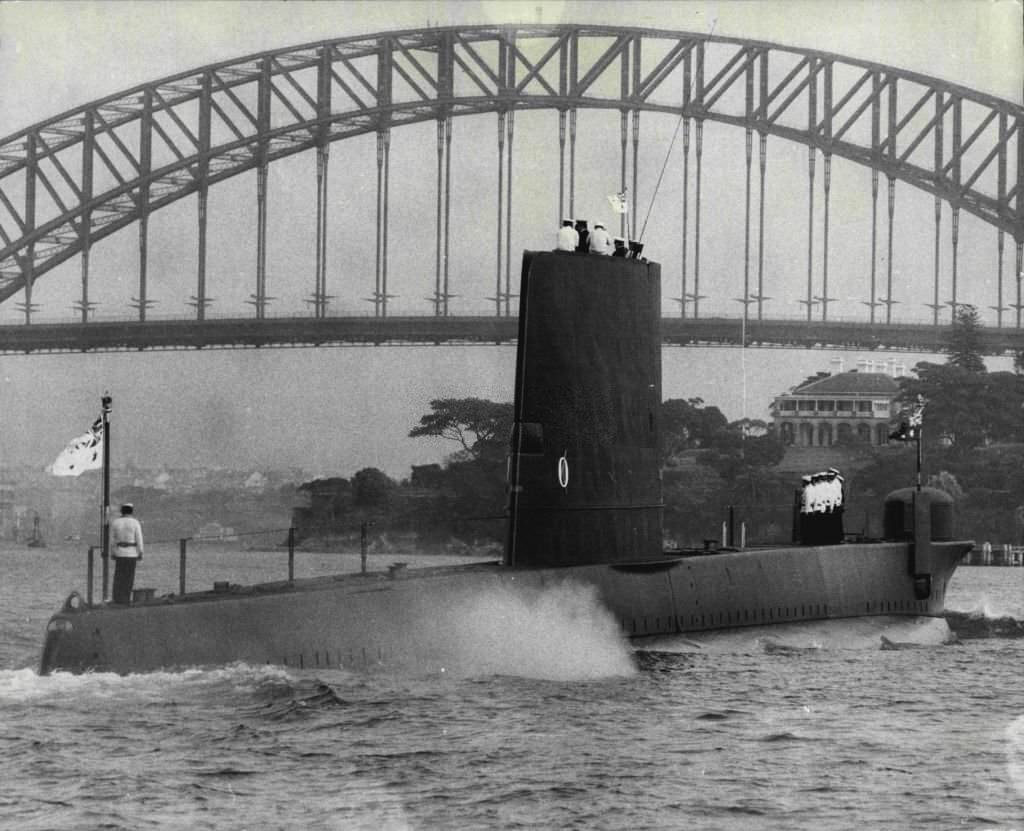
(78, 177)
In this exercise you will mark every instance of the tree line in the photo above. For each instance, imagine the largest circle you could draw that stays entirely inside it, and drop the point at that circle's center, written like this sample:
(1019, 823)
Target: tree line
(973, 446)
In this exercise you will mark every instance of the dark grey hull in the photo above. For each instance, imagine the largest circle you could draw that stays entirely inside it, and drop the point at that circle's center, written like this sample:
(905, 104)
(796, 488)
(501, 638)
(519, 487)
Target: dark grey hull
(358, 620)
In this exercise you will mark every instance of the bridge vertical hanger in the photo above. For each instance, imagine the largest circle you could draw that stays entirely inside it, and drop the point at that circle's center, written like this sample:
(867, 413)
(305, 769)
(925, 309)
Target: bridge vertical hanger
(262, 127)
(876, 130)
(445, 89)
(561, 167)
(749, 151)
(203, 174)
(323, 135)
(762, 117)
(384, 241)
(812, 100)
(503, 78)
(699, 154)
(569, 78)
(563, 92)
(1020, 272)
(572, 163)
(746, 299)
(999, 279)
(1018, 192)
(142, 302)
(447, 208)
(501, 211)
(507, 294)
(636, 161)
(88, 138)
(939, 159)
(1001, 186)
(633, 94)
(957, 168)
(827, 119)
(29, 260)
(624, 142)
(440, 217)
(379, 215)
(873, 302)
(687, 80)
(699, 151)
(385, 62)
(891, 147)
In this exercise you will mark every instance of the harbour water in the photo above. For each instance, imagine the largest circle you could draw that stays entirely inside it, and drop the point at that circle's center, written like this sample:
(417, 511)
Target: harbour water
(551, 720)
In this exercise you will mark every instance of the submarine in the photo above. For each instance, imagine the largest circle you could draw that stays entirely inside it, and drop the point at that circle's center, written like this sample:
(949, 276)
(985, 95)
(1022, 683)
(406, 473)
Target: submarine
(584, 509)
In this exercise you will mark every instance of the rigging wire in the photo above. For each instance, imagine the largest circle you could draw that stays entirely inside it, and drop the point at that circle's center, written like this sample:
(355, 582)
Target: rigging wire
(661, 176)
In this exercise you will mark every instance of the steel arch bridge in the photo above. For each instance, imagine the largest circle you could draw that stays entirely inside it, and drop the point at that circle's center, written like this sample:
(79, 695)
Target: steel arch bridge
(78, 177)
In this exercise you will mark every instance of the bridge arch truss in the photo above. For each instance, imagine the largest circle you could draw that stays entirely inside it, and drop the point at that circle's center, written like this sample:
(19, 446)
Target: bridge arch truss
(78, 177)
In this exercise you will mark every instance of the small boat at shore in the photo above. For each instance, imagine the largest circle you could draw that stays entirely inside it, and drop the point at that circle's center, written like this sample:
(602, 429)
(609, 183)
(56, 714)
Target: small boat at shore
(36, 539)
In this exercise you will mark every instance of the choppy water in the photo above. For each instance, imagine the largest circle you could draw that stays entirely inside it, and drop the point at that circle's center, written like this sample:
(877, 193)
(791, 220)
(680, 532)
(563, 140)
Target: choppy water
(810, 727)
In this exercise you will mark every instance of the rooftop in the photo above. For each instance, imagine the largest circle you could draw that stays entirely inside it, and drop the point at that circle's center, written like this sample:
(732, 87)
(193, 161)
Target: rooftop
(851, 383)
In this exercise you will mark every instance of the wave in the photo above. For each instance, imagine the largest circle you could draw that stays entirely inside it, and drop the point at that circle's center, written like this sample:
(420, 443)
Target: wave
(798, 639)
(979, 625)
(240, 681)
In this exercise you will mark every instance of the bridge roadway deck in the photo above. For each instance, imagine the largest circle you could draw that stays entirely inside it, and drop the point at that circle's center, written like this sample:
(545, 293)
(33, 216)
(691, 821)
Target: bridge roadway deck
(278, 332)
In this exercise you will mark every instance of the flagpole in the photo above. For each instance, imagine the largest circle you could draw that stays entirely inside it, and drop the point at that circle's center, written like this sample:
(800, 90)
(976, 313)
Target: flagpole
(918, 434)
(105, 510)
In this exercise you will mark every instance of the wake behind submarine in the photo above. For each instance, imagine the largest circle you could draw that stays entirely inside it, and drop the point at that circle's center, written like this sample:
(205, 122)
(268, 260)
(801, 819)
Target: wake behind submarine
(584, 508)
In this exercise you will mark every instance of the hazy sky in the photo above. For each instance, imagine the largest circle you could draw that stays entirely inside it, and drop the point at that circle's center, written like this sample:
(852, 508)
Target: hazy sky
(336, 410)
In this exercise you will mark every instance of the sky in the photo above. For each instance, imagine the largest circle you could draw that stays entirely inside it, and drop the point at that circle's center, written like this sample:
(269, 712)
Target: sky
(334, 411)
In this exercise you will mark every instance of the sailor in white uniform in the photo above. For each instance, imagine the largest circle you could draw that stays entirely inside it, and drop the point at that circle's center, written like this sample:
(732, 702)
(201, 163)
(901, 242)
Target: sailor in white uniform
(600, 241)
(126, 548)
(568, 239)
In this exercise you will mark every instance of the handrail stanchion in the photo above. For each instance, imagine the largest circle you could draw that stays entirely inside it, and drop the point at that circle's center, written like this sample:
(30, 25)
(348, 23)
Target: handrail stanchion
(291, 554)
(105, 569)
(89, 576)
(182, 549)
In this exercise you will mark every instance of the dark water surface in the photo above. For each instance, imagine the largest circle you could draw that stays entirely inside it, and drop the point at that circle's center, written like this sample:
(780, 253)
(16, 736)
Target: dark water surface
(809, 727)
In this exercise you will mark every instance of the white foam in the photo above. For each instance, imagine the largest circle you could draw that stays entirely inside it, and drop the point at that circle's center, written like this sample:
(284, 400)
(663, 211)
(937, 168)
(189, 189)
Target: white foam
(846, 633)
(25, 685)
(561, 633)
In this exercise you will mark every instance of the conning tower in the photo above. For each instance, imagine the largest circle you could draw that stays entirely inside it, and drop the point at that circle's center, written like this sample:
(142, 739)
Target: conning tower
(584, 470)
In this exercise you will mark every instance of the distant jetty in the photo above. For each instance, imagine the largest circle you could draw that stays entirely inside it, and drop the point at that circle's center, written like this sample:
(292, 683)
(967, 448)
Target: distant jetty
(995, 555)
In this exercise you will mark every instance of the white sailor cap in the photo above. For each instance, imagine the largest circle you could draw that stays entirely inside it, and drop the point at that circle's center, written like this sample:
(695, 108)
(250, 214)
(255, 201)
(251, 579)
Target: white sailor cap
(621, 239)
(805, 478)
(599, 225)
(566, 221)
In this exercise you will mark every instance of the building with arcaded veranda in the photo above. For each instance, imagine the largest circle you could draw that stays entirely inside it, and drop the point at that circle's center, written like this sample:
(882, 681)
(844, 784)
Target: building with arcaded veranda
(841, 407)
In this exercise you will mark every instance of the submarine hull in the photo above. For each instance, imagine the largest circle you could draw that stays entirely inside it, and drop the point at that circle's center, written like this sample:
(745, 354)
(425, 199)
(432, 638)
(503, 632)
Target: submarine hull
(360, 621)
(584, 508)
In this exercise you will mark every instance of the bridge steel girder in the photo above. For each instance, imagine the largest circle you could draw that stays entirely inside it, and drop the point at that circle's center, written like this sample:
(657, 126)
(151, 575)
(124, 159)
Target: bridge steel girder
(73, 179)
(283, 332)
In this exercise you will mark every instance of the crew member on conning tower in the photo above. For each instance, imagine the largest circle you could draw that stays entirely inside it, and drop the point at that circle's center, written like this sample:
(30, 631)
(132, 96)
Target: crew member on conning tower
(600, 241)
(582, 244)
(568, 239)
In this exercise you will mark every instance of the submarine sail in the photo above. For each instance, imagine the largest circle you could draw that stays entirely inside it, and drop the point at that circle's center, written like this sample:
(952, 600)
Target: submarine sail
(584, 473)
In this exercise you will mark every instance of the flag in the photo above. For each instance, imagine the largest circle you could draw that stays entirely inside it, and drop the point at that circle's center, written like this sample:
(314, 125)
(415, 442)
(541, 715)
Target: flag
(618, 202)
(81, 454)
(910, 427)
